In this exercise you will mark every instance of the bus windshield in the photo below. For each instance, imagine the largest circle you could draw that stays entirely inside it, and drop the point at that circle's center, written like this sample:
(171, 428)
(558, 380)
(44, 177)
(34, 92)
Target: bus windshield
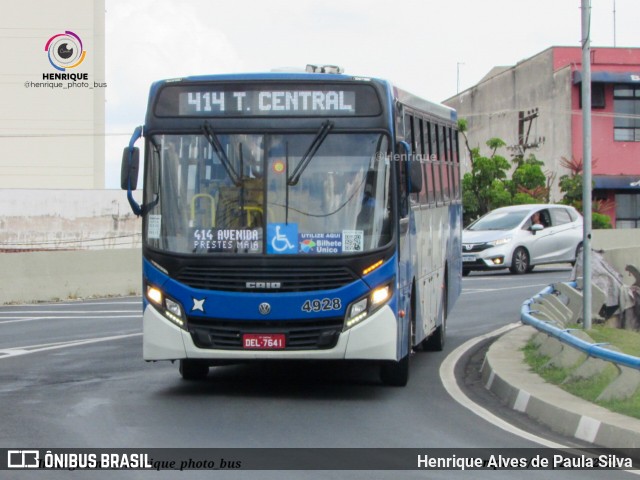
(213, 193)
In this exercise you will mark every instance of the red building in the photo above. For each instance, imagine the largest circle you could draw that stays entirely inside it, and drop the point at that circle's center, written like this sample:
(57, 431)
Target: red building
(545, 92)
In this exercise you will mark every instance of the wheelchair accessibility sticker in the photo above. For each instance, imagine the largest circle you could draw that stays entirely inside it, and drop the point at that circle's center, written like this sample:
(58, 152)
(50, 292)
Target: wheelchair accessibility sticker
(282, 238)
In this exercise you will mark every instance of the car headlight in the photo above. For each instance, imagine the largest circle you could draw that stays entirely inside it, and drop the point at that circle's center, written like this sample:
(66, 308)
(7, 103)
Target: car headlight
(169, 307)
(500, 241)
(365, 306)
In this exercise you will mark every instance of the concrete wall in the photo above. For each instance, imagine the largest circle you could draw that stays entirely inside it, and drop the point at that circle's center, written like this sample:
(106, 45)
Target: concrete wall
(67, 219)
(621, 248)
(46, 276)
(492, 107)
(49, 276)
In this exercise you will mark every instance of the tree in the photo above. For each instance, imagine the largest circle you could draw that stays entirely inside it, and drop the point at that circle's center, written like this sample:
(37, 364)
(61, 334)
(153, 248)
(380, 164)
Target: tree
(484, 187)
(571, 186)
(463, 127)
(487, 186)
(529, 183)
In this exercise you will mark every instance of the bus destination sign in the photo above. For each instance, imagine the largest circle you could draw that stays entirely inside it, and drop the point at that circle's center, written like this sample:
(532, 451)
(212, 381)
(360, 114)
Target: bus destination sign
(272, 100)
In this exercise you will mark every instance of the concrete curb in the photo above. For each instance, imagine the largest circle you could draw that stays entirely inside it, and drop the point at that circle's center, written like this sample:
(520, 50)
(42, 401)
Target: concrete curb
(510, 379)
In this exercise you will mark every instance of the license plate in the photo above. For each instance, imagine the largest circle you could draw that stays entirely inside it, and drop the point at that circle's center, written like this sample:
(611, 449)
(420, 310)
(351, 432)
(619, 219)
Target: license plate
(468, 258)
(263, 341)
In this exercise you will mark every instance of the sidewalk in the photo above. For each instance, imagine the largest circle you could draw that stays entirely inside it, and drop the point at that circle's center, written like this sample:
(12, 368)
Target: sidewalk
(564, 413)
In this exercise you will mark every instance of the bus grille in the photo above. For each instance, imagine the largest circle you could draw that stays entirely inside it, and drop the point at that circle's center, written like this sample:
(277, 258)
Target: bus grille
(300, 334)
(272, 279)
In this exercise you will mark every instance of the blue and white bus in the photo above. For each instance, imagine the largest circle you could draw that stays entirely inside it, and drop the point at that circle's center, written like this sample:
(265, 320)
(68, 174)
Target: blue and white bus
(296, 216)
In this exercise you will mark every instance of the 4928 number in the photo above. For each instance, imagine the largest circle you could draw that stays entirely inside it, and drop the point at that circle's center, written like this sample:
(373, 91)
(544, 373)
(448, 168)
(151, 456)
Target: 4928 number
(324, 305)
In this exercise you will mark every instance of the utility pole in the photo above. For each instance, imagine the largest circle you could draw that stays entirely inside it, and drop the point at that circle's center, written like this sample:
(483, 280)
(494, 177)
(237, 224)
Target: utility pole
(614, 23)
(586, 161)
(458, 76)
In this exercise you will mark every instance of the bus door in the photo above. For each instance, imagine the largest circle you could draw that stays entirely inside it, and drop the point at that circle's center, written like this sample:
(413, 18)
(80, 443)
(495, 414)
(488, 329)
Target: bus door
(410, 181)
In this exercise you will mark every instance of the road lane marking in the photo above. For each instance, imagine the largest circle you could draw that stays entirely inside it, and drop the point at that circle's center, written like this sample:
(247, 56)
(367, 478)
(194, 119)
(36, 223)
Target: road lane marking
(58, 312)
(88, 317)
(448, 378)
(18, 351)
(483, 290)
(75, 303)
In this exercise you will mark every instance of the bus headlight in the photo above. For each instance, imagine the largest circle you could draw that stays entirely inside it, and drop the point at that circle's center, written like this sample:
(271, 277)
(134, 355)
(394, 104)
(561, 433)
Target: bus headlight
(365, 306)
(169, 307)
(154, 295)
(380, 295)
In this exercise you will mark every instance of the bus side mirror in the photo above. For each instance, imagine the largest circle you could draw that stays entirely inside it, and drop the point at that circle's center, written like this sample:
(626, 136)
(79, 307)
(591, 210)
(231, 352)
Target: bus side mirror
(129, 169)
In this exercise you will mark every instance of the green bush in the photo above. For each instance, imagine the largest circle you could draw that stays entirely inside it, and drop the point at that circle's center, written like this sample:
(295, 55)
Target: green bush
(600, 221)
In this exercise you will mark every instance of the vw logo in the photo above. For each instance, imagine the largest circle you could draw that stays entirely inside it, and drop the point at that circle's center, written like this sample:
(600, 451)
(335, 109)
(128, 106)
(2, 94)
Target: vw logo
(264, 308)
(468, 246)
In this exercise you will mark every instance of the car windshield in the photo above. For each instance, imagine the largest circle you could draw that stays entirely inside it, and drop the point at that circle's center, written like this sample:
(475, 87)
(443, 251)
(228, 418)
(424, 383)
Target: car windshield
(499, 220)
(214, 193)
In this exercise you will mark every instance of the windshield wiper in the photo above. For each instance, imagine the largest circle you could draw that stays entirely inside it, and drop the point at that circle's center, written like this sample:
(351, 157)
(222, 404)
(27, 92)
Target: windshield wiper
(311, 151)
(212, 138)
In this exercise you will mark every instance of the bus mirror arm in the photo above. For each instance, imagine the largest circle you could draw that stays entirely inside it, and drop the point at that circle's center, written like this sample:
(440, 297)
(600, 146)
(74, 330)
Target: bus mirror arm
(414, 167)
(129, 171)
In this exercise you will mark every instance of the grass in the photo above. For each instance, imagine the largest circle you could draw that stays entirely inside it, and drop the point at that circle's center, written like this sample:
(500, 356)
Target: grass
(589, 389)
(627, 341)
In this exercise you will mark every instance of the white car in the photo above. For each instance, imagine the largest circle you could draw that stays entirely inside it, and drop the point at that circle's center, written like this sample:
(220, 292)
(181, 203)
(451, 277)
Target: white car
(509, 237)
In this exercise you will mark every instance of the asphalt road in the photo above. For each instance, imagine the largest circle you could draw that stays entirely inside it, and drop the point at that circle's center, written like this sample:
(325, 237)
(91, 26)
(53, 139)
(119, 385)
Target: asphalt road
(72, 375)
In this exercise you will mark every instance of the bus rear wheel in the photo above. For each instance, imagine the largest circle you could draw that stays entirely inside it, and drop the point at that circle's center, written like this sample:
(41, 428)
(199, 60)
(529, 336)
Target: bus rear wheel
(193, 370)
(435, 342)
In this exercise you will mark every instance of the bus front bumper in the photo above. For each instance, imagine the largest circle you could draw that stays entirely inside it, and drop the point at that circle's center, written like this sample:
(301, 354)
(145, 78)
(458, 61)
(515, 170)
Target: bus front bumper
(376, 338)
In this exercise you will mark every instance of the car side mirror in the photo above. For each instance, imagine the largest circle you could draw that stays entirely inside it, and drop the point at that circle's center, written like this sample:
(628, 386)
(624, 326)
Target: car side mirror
(536, 227)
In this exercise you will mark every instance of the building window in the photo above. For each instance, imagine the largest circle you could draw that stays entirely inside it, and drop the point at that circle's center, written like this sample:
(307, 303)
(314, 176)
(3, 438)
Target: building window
(626, 105)
(597, 95)
(627, 210)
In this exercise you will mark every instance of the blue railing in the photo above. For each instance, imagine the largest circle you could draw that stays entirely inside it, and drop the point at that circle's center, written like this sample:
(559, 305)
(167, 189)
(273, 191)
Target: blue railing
(565, 335)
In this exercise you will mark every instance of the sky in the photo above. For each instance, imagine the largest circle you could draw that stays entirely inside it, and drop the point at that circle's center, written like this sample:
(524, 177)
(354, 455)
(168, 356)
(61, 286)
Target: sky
(432, 48)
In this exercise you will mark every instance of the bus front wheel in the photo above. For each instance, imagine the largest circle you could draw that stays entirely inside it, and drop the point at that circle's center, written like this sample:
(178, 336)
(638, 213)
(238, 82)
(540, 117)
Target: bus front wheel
(193, 370)
(395, 374)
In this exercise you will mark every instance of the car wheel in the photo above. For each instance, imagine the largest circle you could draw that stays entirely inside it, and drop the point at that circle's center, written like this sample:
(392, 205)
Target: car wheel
(465, 272)
(520, 261)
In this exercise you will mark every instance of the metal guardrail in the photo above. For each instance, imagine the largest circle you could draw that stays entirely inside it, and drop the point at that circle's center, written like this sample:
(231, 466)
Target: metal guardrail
(565, 335)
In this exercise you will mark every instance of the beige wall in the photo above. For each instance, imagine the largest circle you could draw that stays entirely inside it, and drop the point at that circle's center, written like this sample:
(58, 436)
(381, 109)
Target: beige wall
(43, 219)
(51, 276)
(46, 276)
(621, 248)
(50, 137)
